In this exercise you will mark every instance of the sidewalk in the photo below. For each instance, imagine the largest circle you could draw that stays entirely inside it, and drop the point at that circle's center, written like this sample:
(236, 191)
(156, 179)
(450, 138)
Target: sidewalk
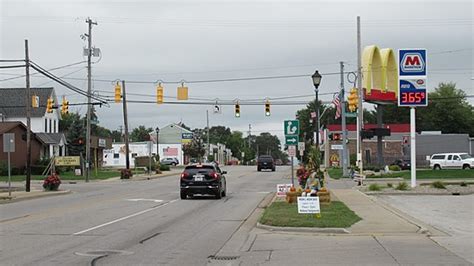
(18, 192)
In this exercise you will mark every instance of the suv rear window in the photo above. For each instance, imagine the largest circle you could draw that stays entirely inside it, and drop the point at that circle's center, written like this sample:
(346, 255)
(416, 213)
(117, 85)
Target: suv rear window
(265, 158)
(438, 157)
(194, 169)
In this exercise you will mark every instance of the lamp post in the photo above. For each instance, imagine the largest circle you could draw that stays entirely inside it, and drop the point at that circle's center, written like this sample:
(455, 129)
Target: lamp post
(157, 130)
(316, 81)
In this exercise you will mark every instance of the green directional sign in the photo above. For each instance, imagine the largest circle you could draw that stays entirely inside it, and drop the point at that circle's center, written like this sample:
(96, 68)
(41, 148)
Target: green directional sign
(351, 114)
(291, 127)
(291, 140)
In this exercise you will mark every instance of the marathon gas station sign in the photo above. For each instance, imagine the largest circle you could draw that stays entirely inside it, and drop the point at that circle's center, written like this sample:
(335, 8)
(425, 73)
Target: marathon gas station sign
(412, 77)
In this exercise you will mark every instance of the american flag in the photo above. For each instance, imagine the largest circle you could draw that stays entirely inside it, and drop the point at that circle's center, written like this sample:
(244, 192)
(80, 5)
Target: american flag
(337, 105)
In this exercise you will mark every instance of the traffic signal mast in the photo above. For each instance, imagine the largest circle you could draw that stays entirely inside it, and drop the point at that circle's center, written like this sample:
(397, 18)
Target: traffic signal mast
(65, 106)
(49, 105)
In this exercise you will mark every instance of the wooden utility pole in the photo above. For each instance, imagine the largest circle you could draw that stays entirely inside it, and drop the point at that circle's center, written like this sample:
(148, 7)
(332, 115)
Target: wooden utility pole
(28, 119)
(125, 121)
(89, 104)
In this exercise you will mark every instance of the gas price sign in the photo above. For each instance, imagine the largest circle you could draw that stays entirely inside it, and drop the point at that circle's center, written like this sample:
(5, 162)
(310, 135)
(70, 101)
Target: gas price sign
(413, 92)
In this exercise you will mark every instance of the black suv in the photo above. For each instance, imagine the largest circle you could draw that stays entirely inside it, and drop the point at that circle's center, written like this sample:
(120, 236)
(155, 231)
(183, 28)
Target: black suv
(203, 179)
(265, 162)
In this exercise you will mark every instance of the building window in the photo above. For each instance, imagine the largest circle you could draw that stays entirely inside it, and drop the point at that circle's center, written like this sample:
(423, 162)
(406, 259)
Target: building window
(116, 155)
(134, 155)
(54, 131)
(46, 125)
(50, 125)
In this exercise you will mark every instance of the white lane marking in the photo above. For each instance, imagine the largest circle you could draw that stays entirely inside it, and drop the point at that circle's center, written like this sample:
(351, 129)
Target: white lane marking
(123, 218)
(152, 200)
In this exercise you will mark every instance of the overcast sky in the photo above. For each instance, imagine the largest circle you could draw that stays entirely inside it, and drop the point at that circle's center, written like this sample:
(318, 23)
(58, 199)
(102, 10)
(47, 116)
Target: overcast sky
(206, 40)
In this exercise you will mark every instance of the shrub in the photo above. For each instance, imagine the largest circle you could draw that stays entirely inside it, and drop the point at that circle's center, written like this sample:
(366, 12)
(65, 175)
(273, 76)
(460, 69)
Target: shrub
(374, 187)
(164, 167)
(38, 169)
(402, 186)
(394, 168)
(126, 173)
(438, 184)
(463, 184)
(389, 185)
(3, 168)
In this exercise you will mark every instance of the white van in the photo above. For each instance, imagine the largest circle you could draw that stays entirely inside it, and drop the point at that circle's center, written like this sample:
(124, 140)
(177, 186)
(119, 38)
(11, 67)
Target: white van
(451, 161)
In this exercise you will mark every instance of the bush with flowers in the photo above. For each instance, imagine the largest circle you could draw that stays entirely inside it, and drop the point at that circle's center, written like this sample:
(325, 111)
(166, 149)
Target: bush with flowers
(52, 182)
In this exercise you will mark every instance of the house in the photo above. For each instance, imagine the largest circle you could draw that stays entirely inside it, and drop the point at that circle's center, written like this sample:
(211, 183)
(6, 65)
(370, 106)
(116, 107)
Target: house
(13, 103)
(18, 157)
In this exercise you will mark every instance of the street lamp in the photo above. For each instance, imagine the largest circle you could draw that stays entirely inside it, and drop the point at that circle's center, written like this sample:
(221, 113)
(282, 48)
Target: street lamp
(157, 130)
(316, 81)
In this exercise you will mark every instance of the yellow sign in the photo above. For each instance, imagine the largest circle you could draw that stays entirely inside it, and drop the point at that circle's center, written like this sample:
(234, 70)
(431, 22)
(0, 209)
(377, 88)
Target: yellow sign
(67, 161)
(380, 74)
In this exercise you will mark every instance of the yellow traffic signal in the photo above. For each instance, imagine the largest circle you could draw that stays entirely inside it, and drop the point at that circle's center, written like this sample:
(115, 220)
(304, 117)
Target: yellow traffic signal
(182, 92)
(49, 105)
(267, 108)
(353, 100)
(65, 106)
(237, 110)
(118, 92)
(34, 101)
(159, 94)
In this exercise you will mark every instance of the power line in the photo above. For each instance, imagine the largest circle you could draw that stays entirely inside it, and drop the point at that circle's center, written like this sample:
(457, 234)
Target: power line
(51, 69)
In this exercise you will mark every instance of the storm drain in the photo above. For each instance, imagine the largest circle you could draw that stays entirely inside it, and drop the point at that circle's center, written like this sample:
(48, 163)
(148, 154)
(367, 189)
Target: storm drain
(223, 257)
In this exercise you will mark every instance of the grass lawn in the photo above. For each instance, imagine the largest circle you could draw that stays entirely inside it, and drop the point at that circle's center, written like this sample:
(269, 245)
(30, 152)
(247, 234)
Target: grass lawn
(335, 215)
(336, 173)
(103, 174)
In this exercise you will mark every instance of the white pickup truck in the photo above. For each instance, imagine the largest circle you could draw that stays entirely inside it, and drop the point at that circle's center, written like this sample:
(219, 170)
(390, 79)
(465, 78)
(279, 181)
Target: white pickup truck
(451, 161)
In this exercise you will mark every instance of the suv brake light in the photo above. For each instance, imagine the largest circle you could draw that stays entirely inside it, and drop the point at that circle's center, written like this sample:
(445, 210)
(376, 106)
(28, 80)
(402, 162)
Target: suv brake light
(184, 175)
(214, 175)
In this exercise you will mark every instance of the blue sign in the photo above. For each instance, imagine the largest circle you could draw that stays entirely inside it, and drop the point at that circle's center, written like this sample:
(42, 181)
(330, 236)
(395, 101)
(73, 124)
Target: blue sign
(412, 62)
(187, 135)
(412, 92)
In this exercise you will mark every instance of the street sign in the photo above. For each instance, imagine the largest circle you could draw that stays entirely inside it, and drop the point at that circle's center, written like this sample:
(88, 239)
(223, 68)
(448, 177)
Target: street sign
(291, 140)
(282, 189)
(301, 146)
(292, 151)
(8, 142)
(291, 127)
(67, 161)
(337, 147)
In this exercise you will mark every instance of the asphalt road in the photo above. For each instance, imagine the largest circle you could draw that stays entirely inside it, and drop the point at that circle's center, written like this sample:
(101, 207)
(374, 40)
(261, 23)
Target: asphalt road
(130, 222)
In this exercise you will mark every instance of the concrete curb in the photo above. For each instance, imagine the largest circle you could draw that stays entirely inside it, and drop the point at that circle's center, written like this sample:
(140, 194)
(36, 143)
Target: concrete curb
(304, 229)
(41, 194)
(407, 193)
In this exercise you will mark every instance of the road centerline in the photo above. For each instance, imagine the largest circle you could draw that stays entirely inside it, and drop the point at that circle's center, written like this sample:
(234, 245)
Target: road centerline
(123, 218)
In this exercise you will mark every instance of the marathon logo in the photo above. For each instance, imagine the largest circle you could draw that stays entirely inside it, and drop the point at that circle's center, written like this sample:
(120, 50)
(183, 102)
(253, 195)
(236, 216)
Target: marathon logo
(412, 62)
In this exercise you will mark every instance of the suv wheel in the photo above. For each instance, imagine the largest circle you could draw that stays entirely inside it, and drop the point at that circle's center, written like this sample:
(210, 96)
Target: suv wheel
(437, 167)
(219, 193)
(273, 169)
(466, 167)
(183, 195)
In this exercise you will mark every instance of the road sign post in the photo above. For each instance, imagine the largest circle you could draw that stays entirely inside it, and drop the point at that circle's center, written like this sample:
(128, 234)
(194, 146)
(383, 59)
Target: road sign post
(412, 92)
(8, 147)
(292, 132)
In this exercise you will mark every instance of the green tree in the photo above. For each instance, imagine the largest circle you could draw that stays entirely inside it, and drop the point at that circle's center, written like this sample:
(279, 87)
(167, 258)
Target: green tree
(73, 126)
(116, 136)
(448, 111)
(140, 133)
(235, 143)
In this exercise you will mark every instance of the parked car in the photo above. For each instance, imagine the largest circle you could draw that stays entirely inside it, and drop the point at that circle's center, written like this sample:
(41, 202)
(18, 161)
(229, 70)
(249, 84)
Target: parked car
(265, 162)
(203, 179)
(451, 161)
(170, 161)
(404, 164)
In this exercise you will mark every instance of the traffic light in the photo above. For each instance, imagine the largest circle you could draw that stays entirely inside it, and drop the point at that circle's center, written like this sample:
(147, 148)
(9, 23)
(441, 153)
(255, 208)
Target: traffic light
(34, 101)
(118, 92)
(353, 100)
(237, 110)
(65, 106)
(159, 94)
(49, 105)
(267, 108)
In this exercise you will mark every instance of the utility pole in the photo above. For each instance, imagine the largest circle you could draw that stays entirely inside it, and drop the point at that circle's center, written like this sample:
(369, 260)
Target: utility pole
(28, 119)
(208, 142)
(125, 122)
(360, 117)
(250, 133)
(344, 129)
(89, 93)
